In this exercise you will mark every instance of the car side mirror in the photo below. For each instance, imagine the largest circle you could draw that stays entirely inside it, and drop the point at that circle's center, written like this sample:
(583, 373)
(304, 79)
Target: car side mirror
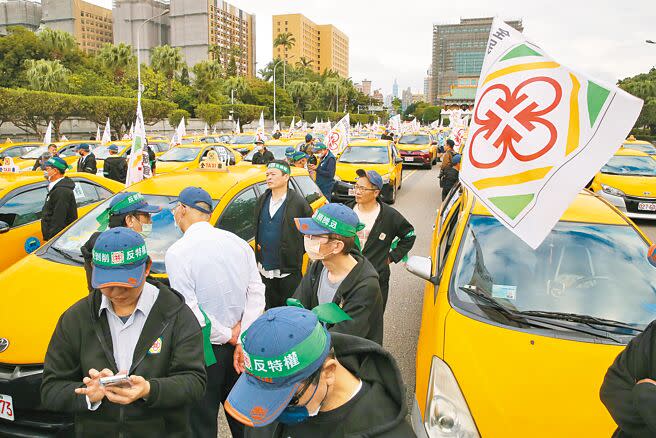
(4, 227)
(421, 267)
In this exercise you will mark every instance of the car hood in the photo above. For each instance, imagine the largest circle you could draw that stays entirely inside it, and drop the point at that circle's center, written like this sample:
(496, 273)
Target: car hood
(347, 171)
(640, 186)
(35, 293)
(172, 166)
(518, 384)
(413, 147)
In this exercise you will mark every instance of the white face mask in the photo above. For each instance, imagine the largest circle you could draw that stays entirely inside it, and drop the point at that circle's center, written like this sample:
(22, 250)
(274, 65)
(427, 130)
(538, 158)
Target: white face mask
(146, 230)
(313, 249)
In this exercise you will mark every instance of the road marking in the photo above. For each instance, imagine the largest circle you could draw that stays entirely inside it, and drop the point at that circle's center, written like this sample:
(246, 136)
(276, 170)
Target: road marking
(412, 172)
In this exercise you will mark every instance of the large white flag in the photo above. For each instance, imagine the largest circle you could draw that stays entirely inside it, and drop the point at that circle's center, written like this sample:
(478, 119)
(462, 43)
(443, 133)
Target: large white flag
(539, 133)
(139, 164)
(395, 123)
(47, 138)
(259, 133)
(206, 129)
(107, 134)
(180, 132)
(338, 137)
(238, 127)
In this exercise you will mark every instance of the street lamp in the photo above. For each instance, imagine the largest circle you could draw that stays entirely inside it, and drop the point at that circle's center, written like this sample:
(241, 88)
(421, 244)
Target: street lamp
(139, 29)
(274, 91)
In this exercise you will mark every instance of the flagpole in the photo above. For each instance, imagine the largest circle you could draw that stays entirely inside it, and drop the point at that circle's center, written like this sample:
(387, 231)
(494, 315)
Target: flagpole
(274, 90)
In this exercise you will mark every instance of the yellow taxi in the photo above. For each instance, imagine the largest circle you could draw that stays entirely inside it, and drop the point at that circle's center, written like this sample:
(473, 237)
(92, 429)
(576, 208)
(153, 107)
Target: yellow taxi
(21, 201)
(512, 336)
(65, 149)
(639, 145)
(628, 181)
(45, 283)
(243, 143)
(15, 150)
(102, 152)
(188, 156)
(379, 155)
(159, 146)
(418, 148)
(277, 148)
(209, 138)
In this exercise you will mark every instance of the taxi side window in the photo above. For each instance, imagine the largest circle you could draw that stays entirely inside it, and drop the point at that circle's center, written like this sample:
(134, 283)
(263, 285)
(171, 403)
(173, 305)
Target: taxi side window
(68, 151)
(239, 216)
(308, 188)
(446, 243)
(85, 193)
(24, 207)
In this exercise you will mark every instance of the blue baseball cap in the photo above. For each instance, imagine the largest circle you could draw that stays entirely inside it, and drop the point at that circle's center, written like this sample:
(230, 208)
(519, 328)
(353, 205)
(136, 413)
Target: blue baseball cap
(332, 218)
(119, 259)
(282, 349)
(191, 196)
(373, 177)
(135, 202)
(320, 146)
(113, 147)
(289, 152)
(456, 159)
(308, 137)
(82, 147)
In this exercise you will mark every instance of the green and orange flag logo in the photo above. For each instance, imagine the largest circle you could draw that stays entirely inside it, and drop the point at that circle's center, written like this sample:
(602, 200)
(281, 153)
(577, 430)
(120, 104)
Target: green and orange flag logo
(539, 132)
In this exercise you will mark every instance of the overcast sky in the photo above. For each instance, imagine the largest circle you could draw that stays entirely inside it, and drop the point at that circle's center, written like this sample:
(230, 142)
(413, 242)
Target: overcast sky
(393, 38)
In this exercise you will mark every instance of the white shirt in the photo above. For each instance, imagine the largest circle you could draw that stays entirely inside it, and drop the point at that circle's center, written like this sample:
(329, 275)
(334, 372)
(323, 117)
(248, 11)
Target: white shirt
(368, 219)
(274, 206)
(52, 184)
(216, 270)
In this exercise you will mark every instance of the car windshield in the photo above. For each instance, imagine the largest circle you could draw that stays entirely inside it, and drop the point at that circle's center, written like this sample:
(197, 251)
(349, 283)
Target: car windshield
(277, 151)
(35, 153)
(626, 165)
(242, 139)
(365, 154)
(580, 268)
(162, 237)
(646, 148)
(102, 152)
(180, 154)
(414, 139)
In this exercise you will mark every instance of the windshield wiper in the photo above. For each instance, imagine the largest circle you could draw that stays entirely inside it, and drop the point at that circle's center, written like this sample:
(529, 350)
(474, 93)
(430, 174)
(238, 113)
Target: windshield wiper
(527, 318)
(584, 319)
(67, 256)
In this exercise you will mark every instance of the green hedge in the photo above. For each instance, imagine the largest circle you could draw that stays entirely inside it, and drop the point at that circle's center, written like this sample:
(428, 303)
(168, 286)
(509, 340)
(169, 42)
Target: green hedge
(210, 113)
(176, 116)
(245, 113)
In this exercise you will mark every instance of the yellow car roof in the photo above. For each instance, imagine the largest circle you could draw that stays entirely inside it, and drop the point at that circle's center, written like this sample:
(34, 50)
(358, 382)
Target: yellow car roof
(586, 207)
(626, 152)
(372, 142)
(66, 143)
(4, 146)
(633, 140)
(281, 142)
(10, 181)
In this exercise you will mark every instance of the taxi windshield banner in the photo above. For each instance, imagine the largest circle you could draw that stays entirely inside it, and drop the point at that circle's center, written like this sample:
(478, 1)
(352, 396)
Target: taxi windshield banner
(539, 133)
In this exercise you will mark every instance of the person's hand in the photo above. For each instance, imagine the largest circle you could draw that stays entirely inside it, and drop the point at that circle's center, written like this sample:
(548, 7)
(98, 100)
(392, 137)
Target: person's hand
(646, 381)
(389, 260)
(238, 359)
(236, 330)
(312, 166)
(139, 388)
(94, 390)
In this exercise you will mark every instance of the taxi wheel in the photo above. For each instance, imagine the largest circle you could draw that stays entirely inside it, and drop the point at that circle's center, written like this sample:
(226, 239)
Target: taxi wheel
(400, 179)
(429, 165)
(392, 198)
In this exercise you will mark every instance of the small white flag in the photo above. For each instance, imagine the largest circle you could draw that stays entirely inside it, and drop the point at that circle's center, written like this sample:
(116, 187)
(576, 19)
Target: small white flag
(47, 139)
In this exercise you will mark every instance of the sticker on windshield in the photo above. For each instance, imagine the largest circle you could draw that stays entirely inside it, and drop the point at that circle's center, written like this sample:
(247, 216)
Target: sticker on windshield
(78, 192)
(504, 291)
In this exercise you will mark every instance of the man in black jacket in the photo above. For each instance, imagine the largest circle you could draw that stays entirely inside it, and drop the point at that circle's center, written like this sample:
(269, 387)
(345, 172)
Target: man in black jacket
(40, 163)
(629, 388)
(115, 167)
(450, 176)
(339, 273)
(87, 161)
(262, 155)
(387, 236)
(125, 327)
(341, 386)
(278, 245)
(60, 208)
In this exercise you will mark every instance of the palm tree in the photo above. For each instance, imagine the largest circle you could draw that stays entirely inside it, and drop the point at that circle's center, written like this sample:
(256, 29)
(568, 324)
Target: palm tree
(237, 83)
(287, 41)
(57, 42)
(117, 59)
(235, 53)
(303, 62)
(216, 51)
(44, 75)
(169, 61)
(300, 92)
(207, 76)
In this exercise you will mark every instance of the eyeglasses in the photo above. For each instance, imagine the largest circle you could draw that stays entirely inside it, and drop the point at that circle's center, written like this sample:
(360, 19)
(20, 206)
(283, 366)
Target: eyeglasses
(358, 188)
(314, 379)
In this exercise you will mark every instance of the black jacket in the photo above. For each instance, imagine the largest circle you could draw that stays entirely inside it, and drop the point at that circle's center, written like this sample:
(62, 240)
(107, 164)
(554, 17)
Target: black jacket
(89, 165)
(291, 242)
(449, 178)
(379, 411)
(633, 406)
(82, 340)
(115, 168)
(60, 208)
(389, 225)
(358, 295)
(263, 158)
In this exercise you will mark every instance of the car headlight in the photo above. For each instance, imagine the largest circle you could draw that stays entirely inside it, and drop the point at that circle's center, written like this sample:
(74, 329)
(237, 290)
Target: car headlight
(447, 414)
(386, 179)
(611, 190)
(424, 151)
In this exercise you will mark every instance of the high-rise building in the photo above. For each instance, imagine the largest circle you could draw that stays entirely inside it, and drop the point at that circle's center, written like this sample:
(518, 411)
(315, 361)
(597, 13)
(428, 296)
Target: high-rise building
(322, 45)
(428, 84)
(406, 98)
(458, 53)
(130, 15)
(416, 98)
(91, 25)
(199, 28)
(378, 95)
(366, 87)
(26, 13)
(395, 89)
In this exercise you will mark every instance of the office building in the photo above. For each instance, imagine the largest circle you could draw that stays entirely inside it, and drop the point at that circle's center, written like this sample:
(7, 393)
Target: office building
(458, 53)
(366, 87)
(91, 25)
(395, 89)
(24, 13)
(378, 95)
(428, 84)
(323, 45)
(130, 15)
(406, 98)
(197, 27)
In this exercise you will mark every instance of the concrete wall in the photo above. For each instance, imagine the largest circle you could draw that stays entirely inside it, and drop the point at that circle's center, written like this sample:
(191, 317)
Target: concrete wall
(19, 13)
(189, 29)
(129, 15)
(59, 14)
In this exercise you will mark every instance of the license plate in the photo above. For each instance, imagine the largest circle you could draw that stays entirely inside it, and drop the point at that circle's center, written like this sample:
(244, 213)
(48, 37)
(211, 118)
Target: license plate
(6, 407)
(351, 192)
(408, 159)
(647, 206)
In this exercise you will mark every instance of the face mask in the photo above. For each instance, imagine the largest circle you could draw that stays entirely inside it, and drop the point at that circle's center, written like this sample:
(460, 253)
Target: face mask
(313, 249)
(176, 225)
(298, 414)
(146, 230)
(45, 175)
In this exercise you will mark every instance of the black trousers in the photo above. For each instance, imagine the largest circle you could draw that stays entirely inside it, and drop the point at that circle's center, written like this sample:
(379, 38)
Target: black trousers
(383, 280)
(221, 377)
(279, 289)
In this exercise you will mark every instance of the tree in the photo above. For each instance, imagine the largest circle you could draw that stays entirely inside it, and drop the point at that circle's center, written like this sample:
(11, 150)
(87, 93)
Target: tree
(207, 80)
(303, 62)
(45, 75)
(301, 93)
(644, 87)
(117, 59)
(167, 60)
(210, 114)
(285, 40)
(232, 69)
(19, 44)
(175, 117)
(238, 84)
(57, 42)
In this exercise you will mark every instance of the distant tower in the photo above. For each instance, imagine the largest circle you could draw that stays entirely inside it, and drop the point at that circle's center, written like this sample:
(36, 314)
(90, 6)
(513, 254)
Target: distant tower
(395, 89)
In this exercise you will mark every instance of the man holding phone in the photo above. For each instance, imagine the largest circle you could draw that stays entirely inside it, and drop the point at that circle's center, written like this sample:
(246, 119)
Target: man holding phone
(142, 335)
